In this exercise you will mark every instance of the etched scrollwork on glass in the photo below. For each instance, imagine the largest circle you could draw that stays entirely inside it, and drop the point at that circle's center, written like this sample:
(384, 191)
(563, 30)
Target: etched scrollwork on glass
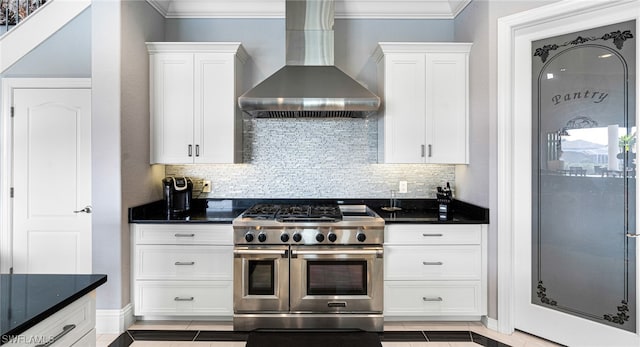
(618, 37)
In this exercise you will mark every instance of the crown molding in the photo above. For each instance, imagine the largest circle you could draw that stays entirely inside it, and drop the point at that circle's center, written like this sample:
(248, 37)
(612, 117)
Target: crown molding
(361, 9)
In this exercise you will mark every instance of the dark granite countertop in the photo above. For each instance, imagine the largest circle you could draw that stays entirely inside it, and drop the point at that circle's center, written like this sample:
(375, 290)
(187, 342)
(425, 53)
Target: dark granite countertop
(225, 210)
(26, 300)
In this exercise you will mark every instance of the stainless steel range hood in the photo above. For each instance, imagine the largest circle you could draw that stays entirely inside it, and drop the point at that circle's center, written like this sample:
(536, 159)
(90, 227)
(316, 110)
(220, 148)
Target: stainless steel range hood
(309, 85)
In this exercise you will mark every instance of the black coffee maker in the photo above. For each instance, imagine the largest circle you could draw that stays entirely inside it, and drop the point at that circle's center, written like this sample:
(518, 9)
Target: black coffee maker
(177, 194)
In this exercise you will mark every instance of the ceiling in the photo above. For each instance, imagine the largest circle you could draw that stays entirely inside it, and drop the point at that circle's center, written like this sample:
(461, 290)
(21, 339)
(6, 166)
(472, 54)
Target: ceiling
(389, 9)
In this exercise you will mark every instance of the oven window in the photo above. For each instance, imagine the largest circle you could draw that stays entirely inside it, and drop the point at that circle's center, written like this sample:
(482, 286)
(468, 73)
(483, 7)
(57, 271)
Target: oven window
(261, 277)
(337, 277)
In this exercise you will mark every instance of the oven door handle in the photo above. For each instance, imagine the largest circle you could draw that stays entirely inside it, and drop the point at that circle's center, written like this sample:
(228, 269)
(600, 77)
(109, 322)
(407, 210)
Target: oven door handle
(282, 252)
(377, 252)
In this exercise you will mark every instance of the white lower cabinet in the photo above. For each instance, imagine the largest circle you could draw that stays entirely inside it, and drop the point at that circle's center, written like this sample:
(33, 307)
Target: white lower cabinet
(208, 298)
(432, 298)
(435, 271)
(182, 270)
(68, 327)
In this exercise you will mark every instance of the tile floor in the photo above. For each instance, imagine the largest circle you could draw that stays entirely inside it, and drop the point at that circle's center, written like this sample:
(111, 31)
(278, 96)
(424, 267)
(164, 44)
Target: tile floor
(517, 339)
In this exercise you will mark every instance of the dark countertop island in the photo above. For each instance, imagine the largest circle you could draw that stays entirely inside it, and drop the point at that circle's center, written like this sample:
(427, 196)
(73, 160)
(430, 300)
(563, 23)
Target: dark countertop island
(225, 210)
(26, 300)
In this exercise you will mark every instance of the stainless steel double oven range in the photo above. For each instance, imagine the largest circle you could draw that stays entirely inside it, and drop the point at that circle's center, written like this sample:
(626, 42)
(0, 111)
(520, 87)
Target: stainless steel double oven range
(308, 266)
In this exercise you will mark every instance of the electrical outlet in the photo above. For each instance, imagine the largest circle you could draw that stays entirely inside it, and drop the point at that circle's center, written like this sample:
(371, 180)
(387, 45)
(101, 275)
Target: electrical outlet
(206, 186)
(402, 187)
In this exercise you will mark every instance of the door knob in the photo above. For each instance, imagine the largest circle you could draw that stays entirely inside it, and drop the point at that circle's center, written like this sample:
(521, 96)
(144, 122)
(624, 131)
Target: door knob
(87, 209)
(633, 235)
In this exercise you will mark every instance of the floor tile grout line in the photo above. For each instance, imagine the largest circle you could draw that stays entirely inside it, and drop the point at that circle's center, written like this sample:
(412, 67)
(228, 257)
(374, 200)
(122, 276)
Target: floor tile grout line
(423, 332)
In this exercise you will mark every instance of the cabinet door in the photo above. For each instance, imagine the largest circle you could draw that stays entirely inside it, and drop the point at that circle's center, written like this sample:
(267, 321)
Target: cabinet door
(447, 108)
(404, 114)
(215, 108)
(172, 85)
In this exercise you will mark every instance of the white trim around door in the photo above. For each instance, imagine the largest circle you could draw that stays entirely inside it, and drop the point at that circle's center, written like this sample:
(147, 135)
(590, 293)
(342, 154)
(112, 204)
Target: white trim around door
(514, 111)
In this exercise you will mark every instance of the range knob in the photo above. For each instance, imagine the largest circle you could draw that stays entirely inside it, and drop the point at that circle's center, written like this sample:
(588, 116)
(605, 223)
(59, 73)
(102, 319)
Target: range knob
(248, 237)
(284, 237)
(297, 237)
(332, 237)
(319, 237)
(262, 237)
(361, 237)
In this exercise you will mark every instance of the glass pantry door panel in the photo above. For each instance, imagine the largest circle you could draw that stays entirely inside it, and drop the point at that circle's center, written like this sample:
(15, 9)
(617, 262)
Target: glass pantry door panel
(584, 175)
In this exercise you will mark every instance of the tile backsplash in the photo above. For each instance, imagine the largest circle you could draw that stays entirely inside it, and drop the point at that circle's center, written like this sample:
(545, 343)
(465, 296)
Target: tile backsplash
(314, 158)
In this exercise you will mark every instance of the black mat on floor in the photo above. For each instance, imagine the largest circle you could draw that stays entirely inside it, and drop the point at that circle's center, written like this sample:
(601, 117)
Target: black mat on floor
(305, 338)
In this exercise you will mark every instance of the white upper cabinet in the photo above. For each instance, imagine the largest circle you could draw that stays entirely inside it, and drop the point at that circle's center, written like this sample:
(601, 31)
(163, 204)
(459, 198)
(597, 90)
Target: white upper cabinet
(193, 92)
(425, 108)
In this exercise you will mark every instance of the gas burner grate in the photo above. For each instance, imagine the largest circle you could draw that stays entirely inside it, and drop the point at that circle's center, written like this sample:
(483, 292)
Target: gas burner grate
(295, 212)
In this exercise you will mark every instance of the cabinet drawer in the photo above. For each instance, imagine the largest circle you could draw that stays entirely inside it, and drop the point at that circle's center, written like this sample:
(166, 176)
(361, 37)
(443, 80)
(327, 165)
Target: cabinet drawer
(66, 326)
(189, 298)
(432, 262)
(183, 262)
(432, 298)
(181, 234)
(432, 234)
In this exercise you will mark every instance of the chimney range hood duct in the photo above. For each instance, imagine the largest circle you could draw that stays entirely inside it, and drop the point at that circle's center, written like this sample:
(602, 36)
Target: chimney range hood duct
(309, 85)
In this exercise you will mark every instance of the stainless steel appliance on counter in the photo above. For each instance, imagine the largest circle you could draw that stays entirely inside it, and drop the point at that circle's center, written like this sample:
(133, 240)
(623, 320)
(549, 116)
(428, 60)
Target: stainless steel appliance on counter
(308, 266)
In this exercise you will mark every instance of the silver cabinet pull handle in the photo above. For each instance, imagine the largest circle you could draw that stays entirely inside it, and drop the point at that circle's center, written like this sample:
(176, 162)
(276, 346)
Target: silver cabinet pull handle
(633, 235)
(190, 147)
(422, 151)
(184, 235)
(431, 263)
(65, 330)
(428, 235)
(429, 151)
(185, 263)
(86, 209)
(177, 298)
(424, 298)
(197, 150)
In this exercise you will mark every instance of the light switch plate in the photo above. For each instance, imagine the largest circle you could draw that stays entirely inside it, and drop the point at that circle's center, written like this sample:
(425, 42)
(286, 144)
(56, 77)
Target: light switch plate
(402, 187)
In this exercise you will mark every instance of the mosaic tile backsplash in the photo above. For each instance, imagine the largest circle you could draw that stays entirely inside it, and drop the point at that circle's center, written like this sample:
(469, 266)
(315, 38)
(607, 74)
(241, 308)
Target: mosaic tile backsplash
(314, 158)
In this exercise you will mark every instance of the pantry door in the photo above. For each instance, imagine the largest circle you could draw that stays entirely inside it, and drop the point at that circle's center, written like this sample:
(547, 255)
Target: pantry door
(575, 225)
(51, 180)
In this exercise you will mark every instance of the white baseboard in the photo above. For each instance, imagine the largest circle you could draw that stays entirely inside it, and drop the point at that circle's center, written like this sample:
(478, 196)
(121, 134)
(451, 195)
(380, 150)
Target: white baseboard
(490, 323)
(114, 321)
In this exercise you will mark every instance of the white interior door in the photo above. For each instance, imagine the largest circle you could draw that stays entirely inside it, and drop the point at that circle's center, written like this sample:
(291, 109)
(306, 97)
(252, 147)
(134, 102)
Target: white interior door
(52, 180)
(574, 184)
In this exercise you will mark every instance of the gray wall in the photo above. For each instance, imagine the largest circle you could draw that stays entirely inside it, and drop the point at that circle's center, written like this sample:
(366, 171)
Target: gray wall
(313, 158)
(120, 136)
(140, 23)
(477, 182)
(67, 53)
